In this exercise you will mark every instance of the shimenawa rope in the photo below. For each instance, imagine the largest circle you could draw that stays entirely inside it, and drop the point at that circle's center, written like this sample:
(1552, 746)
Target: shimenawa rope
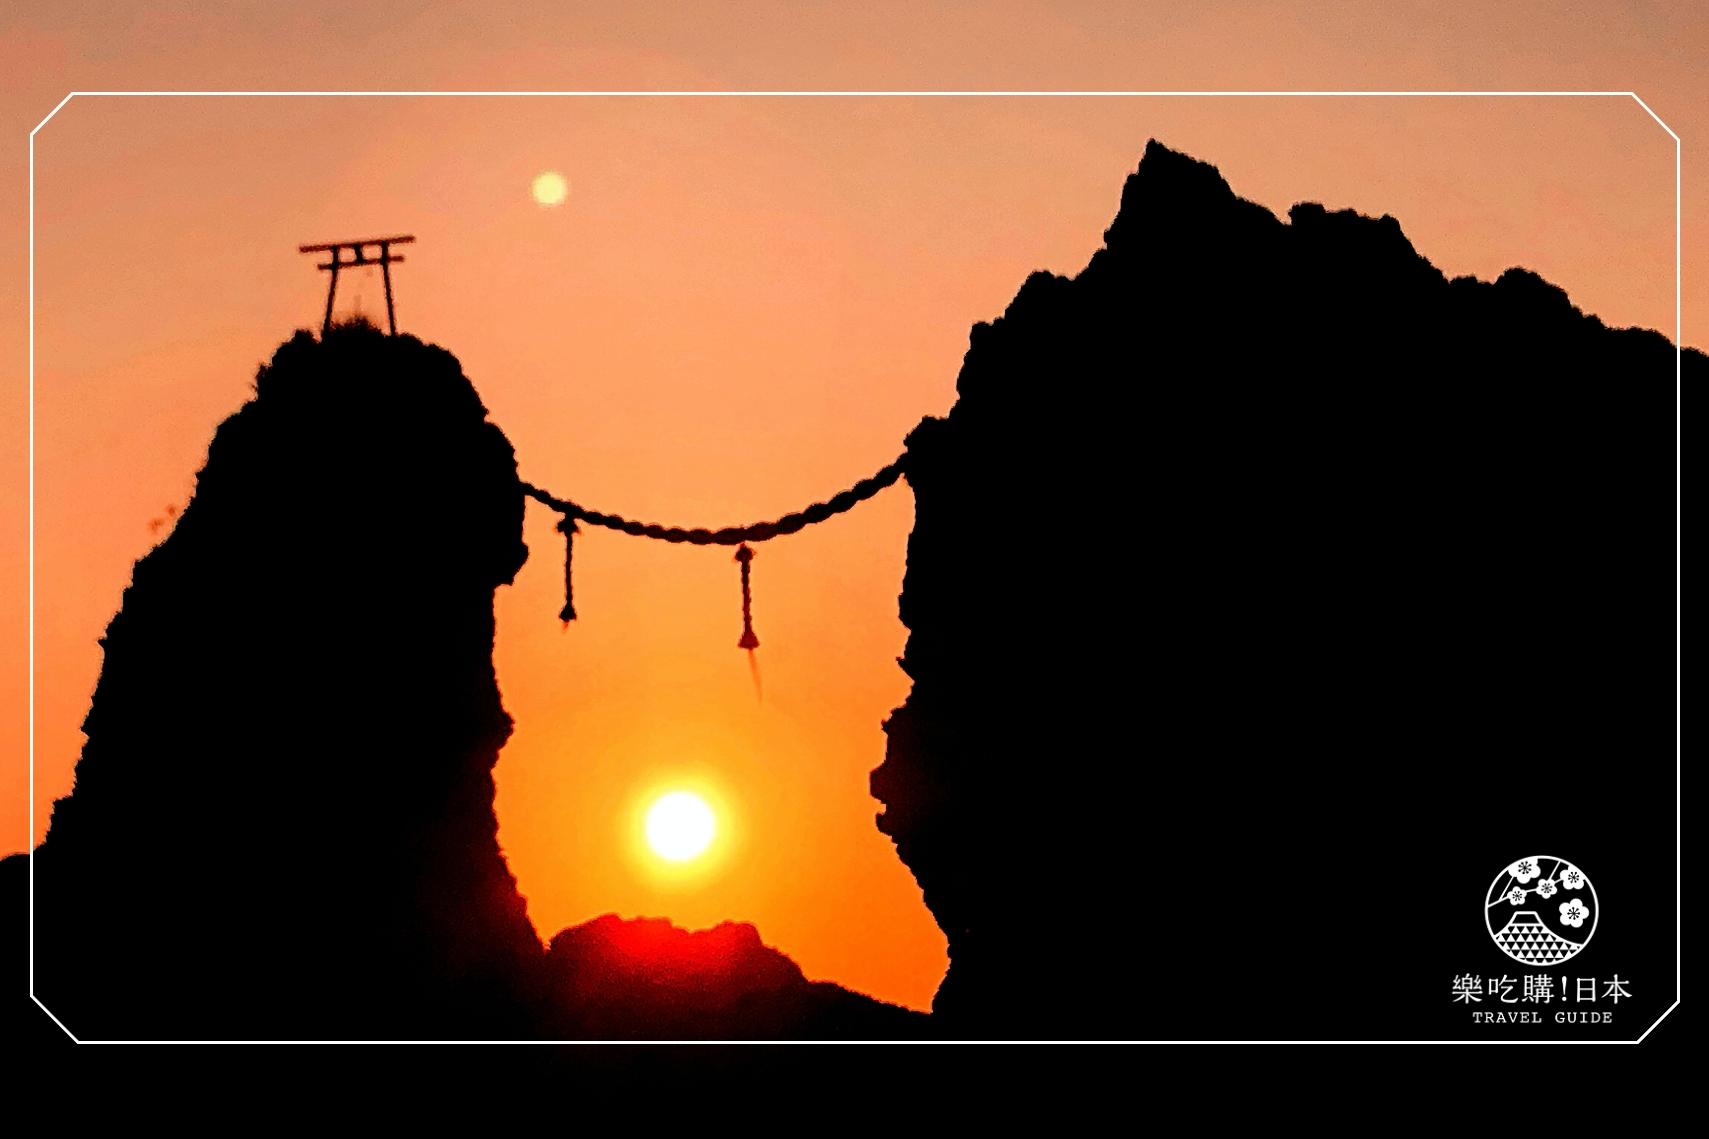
(738, 536)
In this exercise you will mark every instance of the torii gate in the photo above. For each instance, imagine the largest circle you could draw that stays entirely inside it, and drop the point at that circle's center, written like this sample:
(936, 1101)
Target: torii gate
(359, 258)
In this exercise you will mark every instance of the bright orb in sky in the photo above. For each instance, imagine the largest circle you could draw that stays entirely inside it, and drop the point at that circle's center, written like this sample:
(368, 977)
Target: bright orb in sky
(680, 826)
(550, 188)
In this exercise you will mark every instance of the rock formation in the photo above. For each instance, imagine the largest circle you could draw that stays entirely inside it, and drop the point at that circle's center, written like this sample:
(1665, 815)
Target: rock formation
(282, 821)
(282, 824)
(1268, 592)
(646, 979)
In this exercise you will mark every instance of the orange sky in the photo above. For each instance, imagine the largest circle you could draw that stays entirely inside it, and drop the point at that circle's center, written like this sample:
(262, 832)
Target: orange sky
(743, 305)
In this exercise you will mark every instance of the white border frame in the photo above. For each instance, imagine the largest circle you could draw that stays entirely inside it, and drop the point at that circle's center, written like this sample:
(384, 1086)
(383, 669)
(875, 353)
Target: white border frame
(1678, 364)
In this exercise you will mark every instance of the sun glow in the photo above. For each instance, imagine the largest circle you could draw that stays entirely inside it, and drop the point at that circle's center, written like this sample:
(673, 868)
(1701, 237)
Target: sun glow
(680, 826)
(550, 188)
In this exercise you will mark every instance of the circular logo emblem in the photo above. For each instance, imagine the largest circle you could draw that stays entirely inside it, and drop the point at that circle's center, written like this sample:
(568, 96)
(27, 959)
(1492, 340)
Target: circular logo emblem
(1541, 910)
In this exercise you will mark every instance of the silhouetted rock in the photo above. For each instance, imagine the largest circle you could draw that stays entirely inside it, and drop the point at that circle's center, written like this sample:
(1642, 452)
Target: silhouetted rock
(282, 824)
(1268, 592)
(647, 979)
(282, 821)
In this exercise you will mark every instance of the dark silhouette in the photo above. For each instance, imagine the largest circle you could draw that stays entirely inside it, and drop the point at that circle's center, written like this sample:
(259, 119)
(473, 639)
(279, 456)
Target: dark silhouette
(646, 979)
(1268, 592)
(282, 824)
(282, 821)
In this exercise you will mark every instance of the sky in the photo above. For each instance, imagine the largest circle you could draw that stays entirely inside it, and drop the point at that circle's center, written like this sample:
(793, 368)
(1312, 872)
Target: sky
(741, 306)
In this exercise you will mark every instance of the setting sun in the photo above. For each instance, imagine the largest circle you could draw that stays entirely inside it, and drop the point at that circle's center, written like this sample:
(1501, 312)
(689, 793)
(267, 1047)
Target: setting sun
(680, 826)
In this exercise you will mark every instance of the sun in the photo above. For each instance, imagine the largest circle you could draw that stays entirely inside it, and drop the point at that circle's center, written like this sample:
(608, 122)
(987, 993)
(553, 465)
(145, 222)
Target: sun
(680, 826)
(550, 188)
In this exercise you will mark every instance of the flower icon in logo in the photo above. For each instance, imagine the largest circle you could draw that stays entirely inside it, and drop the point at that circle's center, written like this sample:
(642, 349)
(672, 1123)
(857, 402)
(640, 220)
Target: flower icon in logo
(1541, 910)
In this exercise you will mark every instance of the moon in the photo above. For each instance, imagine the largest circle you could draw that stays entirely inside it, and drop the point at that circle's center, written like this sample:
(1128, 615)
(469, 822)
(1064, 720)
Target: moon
(680, 826)
(550, 188)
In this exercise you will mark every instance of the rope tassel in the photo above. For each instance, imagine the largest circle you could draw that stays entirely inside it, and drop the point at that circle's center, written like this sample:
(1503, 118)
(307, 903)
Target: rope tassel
(745, 557)
(567, 527)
